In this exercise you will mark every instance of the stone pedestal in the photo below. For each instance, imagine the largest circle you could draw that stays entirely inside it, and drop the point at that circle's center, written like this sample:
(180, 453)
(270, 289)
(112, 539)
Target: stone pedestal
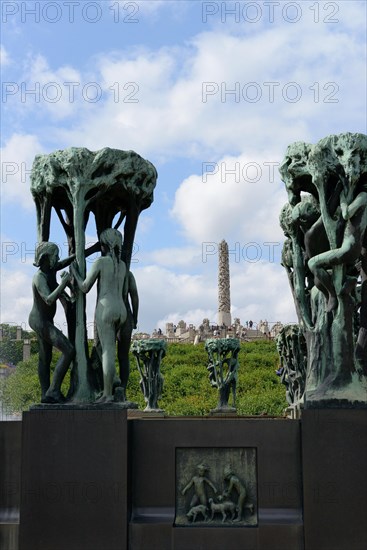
(74, 480)
(311, 480)
(334, 449)
(10, 448)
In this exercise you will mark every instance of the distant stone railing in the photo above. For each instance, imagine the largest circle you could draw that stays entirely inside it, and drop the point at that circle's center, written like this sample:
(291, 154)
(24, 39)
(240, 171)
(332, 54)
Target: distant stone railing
(178, 340)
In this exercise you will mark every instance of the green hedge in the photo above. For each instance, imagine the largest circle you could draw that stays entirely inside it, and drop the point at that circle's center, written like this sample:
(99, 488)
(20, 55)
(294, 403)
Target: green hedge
(186, 389)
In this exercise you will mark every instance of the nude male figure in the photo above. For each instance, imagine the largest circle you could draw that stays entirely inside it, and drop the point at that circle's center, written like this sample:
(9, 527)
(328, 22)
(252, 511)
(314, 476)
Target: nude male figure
(198, 481)
(46, 291)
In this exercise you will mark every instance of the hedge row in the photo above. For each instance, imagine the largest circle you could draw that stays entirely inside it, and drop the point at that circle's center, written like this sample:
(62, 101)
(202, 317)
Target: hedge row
(186, 390)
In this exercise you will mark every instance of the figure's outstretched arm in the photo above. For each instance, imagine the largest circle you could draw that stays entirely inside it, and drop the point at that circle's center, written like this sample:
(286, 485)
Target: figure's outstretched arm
(44, 291)
(211, 484)
(88, 252)
(64, 263)
(187, 487)
(90, 279)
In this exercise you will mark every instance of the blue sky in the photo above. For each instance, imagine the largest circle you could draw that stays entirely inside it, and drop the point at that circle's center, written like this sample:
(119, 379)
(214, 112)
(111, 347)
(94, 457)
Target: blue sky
(211, 93)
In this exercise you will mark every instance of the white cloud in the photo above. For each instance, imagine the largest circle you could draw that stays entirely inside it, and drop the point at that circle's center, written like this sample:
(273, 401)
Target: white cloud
(16, 162)
(237, 199)
(16, 297)
(59, 91)
(175, 257)
(152, 101)
(177, 119)
(258, 291)
(4, 57)
(261, 291)
(162, 292)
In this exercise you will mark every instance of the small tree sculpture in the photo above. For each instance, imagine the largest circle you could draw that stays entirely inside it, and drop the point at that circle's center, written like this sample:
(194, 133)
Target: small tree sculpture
(223, 369)
(149, 354)
(291, 346)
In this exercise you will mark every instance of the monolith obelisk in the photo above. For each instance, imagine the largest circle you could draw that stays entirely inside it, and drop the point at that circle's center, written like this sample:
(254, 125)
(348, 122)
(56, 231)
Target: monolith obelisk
(224, 298)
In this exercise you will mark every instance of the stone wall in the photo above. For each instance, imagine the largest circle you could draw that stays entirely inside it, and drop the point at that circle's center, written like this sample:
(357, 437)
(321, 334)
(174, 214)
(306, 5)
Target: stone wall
(311, 480)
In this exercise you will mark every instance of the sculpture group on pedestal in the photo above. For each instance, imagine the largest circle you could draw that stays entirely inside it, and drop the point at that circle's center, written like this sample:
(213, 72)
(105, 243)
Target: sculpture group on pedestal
(114, 186)
(325, 255)
(291, 346)
(223, 370)
(149, 354)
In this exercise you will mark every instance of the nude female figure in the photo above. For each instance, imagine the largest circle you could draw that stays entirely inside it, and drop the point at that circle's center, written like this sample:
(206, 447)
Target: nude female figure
(110, 272)
(46, 291)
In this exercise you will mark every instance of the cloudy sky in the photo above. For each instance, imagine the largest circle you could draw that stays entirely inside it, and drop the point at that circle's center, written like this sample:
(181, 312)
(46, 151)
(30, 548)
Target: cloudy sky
(211, 93)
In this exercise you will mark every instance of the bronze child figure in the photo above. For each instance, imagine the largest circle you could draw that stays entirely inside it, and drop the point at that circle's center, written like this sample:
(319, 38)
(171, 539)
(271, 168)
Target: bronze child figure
(46, 291)
(111, 314)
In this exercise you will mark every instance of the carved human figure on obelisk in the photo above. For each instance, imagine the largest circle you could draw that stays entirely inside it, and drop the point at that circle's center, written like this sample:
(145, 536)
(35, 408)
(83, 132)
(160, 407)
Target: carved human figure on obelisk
(224, 298)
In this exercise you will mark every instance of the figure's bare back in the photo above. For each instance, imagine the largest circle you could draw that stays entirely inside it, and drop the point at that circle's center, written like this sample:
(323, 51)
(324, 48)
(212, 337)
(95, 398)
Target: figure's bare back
(110, 306)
